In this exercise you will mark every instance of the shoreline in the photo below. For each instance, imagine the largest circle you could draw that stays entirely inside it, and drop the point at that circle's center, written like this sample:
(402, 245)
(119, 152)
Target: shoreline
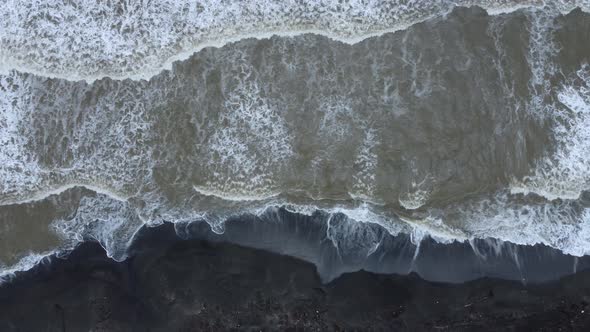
(172, 284)
(336, 245)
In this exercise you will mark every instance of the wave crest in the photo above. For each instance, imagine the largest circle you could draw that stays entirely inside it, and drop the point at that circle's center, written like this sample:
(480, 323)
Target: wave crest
(89, 40)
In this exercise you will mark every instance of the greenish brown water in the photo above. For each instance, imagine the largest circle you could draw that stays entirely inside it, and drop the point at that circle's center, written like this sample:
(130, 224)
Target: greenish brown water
(463, 126)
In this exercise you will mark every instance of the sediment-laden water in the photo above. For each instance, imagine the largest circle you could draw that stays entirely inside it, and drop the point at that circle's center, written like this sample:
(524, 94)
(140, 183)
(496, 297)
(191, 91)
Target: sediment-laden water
(462, 124)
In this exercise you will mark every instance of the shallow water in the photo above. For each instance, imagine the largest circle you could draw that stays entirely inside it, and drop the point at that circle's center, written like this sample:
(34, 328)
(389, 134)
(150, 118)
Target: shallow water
(462, 126)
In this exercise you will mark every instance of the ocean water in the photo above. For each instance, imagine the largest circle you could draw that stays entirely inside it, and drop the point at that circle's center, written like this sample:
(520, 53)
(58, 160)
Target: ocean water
(452, 121)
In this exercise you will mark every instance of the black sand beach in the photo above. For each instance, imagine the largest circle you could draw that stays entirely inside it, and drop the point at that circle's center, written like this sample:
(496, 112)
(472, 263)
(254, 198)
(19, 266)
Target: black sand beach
(309, 165)
(195, 285)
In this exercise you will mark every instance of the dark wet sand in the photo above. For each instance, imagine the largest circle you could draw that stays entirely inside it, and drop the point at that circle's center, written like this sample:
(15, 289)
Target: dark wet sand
(194, 285)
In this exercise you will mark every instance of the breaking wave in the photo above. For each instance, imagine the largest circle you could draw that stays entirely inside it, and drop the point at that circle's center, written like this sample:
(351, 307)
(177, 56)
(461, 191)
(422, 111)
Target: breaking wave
(89, 40)
(239, 131)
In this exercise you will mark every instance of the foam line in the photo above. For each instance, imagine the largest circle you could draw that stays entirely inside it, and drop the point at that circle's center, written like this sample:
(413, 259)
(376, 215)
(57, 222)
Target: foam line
(24, 264)
(161, 54)
(41, 195)
(229, 197)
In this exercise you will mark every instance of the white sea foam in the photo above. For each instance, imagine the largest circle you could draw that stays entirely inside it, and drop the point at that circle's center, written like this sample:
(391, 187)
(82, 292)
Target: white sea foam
(250, 141)
(24, 264)
(560, 225)
(88, 40)
(365, 166)
(564, 226)
(111, 223)
(229, 197)
(352, 240)
(18, 168)
(338, 118)
(417, 195)
(563, 173)
(366, 212)
(38, 196)
(566, 172)
(112, 220)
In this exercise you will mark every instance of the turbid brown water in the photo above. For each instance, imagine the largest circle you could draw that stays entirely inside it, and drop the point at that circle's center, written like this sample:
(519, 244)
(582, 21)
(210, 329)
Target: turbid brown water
(463, 126)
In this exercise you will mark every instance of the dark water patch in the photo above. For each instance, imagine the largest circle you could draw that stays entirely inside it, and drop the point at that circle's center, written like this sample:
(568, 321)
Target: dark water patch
(336, 245)
(197, 284)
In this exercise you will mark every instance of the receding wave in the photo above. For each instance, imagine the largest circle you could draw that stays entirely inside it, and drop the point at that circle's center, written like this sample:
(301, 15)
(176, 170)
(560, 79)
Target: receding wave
(343, 239)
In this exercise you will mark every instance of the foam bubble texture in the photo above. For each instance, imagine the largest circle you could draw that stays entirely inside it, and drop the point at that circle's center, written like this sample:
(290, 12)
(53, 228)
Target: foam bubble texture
(109, 222)
(137, 38)
(563, 225)
(134, 139)
(17, 166)
(250, 142)
(566, 172)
